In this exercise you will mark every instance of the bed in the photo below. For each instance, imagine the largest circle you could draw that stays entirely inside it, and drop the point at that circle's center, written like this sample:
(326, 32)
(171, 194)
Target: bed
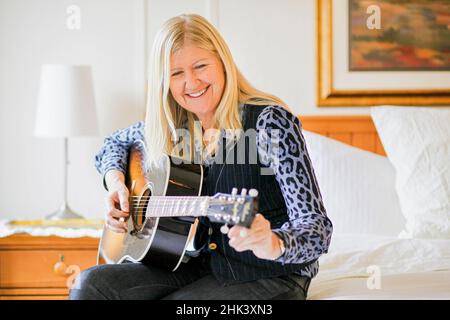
(377, 267)
(371, 256)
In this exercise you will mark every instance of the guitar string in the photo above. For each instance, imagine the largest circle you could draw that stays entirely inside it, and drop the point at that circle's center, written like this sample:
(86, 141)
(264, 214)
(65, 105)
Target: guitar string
(167, 206)
(162, 206)
(169, 199)
(177, 200)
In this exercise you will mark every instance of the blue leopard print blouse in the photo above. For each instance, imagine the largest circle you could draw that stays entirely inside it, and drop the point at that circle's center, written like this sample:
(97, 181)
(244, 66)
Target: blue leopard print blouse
(307, 234)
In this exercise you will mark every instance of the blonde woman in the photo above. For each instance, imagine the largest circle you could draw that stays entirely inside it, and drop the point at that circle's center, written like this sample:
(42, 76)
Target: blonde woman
(193, 79)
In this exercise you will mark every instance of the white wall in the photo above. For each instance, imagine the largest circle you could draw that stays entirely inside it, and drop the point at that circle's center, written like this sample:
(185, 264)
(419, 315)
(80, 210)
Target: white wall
(111, 39)
(272, 42)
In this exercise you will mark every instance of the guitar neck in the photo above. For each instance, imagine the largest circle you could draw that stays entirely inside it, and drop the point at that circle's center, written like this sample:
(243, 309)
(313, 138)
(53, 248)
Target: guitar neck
(162, 206)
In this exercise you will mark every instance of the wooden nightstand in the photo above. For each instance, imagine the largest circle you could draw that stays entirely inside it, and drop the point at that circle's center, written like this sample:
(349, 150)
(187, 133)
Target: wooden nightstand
(27, 265)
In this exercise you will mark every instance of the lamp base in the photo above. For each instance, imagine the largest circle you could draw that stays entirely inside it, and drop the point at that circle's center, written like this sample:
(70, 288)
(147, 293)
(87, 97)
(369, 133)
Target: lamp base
(64, 213)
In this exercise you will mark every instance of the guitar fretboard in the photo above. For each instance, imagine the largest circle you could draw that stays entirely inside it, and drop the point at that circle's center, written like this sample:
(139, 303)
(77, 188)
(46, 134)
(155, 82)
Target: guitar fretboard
(161, 206)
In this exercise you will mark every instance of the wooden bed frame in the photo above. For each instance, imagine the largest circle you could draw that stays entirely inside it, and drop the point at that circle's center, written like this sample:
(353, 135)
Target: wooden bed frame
(357, 131)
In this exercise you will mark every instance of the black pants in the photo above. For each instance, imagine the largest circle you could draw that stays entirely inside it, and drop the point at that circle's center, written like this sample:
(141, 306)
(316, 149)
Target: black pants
(191, 281)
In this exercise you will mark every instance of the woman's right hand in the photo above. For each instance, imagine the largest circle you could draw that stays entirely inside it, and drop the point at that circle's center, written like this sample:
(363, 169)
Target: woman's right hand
(116, 202)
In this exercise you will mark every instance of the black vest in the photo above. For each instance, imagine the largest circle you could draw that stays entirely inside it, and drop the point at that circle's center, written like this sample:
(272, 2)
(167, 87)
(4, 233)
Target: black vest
(228, 265)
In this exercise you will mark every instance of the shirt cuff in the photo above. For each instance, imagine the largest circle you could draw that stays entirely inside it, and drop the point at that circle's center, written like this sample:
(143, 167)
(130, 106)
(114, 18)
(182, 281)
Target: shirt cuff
(109, 168)
(282, 235)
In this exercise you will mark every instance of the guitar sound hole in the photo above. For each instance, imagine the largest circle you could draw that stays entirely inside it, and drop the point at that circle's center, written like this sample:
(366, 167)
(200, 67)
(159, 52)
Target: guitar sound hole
(139, 213)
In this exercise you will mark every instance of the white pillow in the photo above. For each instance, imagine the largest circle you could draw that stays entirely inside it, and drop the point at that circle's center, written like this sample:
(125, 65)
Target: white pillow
(417, 142)
(357, 187)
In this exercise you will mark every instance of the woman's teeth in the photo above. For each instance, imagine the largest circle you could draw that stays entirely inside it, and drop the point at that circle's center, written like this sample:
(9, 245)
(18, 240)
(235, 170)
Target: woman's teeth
(198, 93)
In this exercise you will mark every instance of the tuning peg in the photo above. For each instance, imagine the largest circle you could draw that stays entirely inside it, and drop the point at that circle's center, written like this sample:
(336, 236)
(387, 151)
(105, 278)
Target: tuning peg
(233, 195)
(243, 192)
(224, 229)
(253, 192)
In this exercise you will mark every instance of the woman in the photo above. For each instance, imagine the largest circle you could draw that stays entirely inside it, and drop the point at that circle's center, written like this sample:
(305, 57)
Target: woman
(193, 78)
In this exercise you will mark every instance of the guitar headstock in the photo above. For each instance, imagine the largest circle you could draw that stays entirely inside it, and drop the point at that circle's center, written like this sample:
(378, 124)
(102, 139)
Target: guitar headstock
(233, 208)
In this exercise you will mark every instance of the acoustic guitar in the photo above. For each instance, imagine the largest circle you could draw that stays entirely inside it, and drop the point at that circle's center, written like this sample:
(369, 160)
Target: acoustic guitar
(165, 204)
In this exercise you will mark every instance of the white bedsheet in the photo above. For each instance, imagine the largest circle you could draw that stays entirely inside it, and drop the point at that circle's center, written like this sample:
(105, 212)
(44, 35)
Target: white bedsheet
(378, 267)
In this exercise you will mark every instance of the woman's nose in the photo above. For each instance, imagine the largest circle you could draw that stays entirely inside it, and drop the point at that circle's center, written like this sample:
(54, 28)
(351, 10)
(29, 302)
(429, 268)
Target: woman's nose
(191, 81)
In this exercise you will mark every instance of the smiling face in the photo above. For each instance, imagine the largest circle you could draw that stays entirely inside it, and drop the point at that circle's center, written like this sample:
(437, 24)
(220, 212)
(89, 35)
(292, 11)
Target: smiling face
(197, 81)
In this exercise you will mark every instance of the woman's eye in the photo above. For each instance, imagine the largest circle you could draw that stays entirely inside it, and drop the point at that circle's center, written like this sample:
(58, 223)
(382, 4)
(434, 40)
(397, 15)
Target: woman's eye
(200, 66)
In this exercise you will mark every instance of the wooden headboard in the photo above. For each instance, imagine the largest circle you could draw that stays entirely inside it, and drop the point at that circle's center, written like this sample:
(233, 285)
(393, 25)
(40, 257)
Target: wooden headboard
(357, 131)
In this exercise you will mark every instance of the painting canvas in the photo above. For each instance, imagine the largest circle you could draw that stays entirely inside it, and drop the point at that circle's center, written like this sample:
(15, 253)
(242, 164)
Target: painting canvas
(412, 35)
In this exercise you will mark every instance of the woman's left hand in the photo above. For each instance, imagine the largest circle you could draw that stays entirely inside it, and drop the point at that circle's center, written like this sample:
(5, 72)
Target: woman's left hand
(259, 238)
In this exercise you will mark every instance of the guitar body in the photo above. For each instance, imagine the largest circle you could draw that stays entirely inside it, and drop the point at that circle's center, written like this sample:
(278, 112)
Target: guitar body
(160, 241)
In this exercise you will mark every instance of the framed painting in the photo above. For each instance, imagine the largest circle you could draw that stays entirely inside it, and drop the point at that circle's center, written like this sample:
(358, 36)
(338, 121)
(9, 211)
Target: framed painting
(415, 35)
(383, 52)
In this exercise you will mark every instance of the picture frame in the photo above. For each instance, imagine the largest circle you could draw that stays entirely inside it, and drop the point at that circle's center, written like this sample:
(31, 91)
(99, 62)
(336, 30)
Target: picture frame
(329, 95)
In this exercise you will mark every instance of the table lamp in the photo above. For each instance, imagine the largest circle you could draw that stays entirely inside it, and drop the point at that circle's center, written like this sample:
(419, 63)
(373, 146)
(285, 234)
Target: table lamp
(66, 108)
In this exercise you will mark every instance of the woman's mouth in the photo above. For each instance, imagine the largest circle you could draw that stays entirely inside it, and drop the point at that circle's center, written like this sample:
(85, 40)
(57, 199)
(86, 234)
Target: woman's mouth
(197, 94)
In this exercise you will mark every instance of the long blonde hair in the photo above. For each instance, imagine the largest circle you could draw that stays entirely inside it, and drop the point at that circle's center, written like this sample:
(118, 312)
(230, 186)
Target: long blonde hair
(164, 115)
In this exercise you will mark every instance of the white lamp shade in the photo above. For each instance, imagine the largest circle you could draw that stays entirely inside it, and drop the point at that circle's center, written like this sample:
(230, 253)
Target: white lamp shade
(66, 102)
